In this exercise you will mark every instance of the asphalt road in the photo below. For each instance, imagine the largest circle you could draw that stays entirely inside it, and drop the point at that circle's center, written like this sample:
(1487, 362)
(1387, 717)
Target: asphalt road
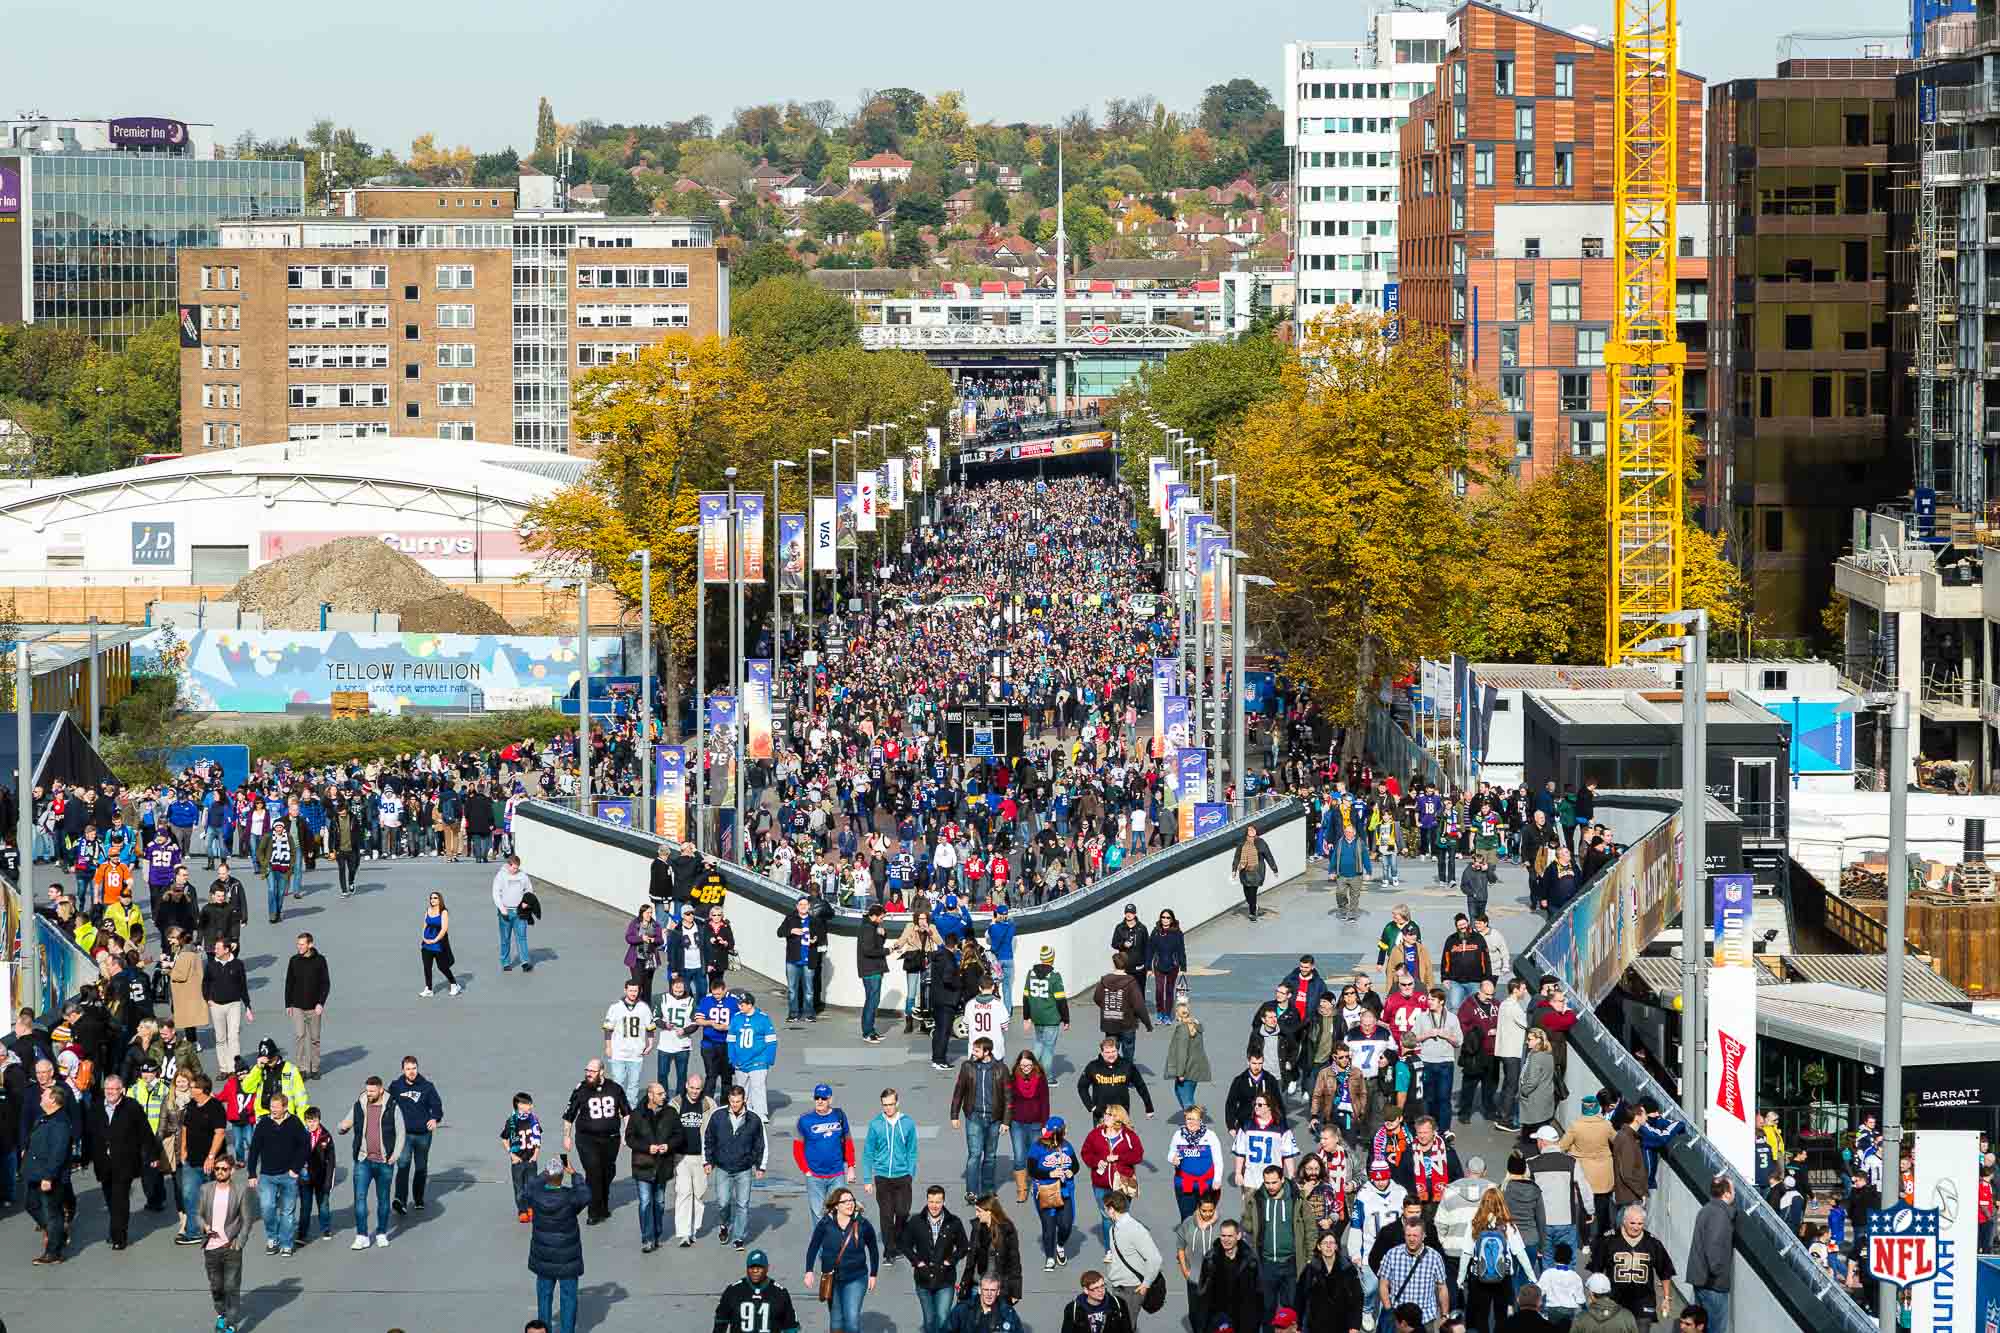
(461, 1264)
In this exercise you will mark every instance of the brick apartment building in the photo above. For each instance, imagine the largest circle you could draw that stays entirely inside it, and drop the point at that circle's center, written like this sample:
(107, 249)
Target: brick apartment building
(1505, 227)
(1800, 179)
(442, 312)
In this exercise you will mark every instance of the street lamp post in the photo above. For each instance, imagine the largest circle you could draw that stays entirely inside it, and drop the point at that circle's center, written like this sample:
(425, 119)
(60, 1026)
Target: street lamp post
(700, 765)
(810, 455)
(1243, 581)
(96, 674)
(30, 958)
(838, 440)
(1694, 856)
(1894, 705)
(735, 662)
(643, 558)
(775, 570)
(583, 691)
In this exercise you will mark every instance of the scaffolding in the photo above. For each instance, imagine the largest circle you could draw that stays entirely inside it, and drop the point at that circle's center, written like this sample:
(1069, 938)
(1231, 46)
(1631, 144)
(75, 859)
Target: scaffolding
(1644, 356)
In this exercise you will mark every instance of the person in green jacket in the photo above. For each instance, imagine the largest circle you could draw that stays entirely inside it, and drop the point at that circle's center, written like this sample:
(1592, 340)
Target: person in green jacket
(1187, 1055)
(1045, 1003)
(1271, 1225)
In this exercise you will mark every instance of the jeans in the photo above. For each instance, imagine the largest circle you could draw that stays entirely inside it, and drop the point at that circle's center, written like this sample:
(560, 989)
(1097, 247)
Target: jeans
(1184, 1092)
(546, 1289)
(625, 1073)
(46, 1207)
(277, 884)
(672, 1069)
(1128, 1044)
(413, 1156)
(366, 1174)
(1057, 1223)
(1510, 1089)
(238, 1138)
(982, 1148)
(278, 1199)
(1045, 1045)
(844, 1310)
(1389, 875)
(798, 991)
(1558, 1235)
(189, 1179)
(934, 1307)
(817, 1188)
(1103, 1218)
(1717, 1305)
(215, 847)
(732, 1200)
(871, 1002)
(1437, 1091)
(1447, 867)
(1023, 1138)
(1276, 1280)
(514, 946)
(307, 1200)
(653, 1211)
(482, 844)
(1455, 993)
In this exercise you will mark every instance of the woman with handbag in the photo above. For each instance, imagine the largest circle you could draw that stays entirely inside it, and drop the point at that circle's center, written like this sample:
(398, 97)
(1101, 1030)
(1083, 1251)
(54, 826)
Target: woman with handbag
(1253, 858)
(996, 1251)
(1113, 1152)
(1026, 1112)
(1053, 1164)
(643, 943)
(914, 946)
(435, 945)
(844, 1248)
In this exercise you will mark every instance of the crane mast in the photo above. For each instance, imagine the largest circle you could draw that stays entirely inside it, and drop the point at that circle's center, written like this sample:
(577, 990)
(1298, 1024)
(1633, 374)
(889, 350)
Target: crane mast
(1644, 356)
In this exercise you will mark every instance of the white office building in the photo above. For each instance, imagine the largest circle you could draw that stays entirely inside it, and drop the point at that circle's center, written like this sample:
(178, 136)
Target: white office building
(1344, 103)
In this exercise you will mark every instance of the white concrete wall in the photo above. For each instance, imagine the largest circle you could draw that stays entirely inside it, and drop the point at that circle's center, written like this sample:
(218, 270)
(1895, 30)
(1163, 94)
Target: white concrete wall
(611, 865)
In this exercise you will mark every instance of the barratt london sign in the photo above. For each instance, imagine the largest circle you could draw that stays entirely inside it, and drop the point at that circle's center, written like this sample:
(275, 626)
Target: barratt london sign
(148, 132)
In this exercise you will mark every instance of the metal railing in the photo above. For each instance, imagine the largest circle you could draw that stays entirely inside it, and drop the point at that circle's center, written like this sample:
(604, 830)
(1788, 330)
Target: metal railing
(1957, 37)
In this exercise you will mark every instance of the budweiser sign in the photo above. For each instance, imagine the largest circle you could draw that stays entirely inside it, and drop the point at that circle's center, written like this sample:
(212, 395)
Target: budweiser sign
(1729, 1095)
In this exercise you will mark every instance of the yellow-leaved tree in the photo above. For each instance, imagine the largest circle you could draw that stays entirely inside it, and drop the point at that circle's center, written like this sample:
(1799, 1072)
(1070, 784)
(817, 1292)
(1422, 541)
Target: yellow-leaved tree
(660, 429)
(1353, 478)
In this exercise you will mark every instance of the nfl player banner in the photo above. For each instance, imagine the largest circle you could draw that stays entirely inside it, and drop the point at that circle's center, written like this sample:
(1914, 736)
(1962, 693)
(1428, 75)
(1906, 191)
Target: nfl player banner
(714, 512)
(934, 443)
(1163, 685)
(1177, 722)
(846, 513)
(721, 719)
(757, 706)
(1948, 1182)
(1729, 1117)
(670, 792)
(1171, 497)
(1191, 529)
(750, 538)
(792, 553)
(825, 556)
(867, 487)
(892, 479)
(1156, 484)
(1209, 816)
(1213, 544)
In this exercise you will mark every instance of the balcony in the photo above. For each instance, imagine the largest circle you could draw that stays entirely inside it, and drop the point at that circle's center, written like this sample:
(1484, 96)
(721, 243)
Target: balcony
(1947, 41)
(1952, 698)
(1952, 166)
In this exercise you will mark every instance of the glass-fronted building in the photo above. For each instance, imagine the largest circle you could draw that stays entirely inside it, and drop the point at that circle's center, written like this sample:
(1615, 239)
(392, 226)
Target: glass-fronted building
(89, 237)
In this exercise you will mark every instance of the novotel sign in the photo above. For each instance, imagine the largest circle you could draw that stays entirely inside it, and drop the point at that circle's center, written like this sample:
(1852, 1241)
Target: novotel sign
(148, 132)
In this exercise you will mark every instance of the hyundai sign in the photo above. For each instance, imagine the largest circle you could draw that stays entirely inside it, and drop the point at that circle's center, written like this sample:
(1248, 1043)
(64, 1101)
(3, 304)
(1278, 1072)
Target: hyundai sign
(148, 132)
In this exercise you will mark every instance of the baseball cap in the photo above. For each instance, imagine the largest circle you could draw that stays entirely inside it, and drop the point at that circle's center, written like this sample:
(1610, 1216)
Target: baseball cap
(1053, 1125)
(951, 900)
(1131, 907)
(1548, 1134)
(1284, 1317)
(1599, 1285)
(821, 1090)
(1000, 909)
(756, 1259)
(1590, 1106)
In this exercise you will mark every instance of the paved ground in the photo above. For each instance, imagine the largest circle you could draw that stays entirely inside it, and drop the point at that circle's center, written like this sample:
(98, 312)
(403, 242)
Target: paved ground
(461, 1264)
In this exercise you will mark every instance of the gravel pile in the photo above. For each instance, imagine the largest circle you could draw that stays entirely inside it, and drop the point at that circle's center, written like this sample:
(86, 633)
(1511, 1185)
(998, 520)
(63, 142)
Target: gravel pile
(360, 575)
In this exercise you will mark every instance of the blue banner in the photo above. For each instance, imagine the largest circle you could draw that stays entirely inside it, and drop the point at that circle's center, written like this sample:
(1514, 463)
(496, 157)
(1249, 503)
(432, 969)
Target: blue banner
(1191, 773)
(1177, 733)
(1209, 816)
(1731, 913)
(670, 792)
(618, 811)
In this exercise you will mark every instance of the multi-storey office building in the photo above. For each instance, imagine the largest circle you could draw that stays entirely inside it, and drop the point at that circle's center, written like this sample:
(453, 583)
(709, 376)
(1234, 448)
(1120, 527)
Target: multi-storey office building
(403, 325)
(1345, 103)
(94, 212)
(1799, 326)
(1505, 226)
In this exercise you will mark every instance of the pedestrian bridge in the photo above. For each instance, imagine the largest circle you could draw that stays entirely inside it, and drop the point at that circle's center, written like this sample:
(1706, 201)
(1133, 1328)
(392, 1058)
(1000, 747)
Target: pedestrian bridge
(1105, 335)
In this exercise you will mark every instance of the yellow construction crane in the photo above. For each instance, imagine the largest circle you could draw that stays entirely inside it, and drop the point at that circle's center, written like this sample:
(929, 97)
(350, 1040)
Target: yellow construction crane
(1644, 357)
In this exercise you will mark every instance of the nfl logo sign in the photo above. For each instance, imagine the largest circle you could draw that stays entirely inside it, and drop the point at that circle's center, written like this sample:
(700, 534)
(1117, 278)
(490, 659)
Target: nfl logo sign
(1903, 1245)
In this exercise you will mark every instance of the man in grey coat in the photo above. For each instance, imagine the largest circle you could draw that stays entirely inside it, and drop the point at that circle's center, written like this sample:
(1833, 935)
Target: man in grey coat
(1711, 1254)
(223, 1214)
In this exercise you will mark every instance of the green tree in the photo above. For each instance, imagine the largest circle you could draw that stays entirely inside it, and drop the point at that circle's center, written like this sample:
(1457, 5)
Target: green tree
(993, 203)
(837, 217)
(501, 168)
(769, 259)
(1210, 388)
(111, 407)
(546, 129)
(922, 209)
(1226, 107)
(785, 317)
(907, 248)
(813, 163)
(626, 199)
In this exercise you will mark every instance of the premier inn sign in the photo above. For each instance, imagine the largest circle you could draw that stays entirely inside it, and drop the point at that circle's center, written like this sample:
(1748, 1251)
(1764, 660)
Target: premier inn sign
(148, 132)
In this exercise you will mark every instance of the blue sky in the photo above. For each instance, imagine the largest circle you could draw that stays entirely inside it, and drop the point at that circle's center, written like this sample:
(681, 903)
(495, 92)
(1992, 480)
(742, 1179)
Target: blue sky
(472, 72)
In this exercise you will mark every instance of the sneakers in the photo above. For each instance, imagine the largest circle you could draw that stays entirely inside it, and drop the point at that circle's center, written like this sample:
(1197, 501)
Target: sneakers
(426, 993)
(1048, 1265)
(270, 1247)
(1062, 1256)
(285, 1253)
(526, 1216)
(187, 1240)
(722, 1236)
(742, 1244)
(382, 1241)
(360, 1243)
(457, 989)
(400, 1207)
(687, 1242)
(943, 1068)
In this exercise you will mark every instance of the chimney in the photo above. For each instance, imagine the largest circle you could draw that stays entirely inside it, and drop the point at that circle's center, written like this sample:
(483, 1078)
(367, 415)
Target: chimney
(1204, 261)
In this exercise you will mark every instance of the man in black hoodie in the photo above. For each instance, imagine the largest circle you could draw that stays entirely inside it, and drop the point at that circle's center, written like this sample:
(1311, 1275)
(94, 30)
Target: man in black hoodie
(1255, 1081)
(1110, 1080)
(946, 995)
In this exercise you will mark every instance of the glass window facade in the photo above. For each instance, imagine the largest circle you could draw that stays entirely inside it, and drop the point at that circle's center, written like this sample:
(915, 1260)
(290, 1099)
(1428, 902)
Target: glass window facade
(107, 227)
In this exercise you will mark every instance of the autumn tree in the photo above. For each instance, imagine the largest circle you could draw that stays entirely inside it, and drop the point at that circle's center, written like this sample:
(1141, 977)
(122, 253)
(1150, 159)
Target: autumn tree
(440, 166)
(545, 128)
(662, 428)
(1349, 480)
(786, 317)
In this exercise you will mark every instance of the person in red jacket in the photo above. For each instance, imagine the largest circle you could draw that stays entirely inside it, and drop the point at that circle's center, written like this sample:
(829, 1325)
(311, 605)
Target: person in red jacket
(1112, 1152)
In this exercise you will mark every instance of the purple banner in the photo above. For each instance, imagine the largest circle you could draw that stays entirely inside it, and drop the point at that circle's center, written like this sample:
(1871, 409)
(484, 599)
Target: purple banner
(148, 132)
(10, 192)
(792, 553)
(1177, 732)
(1209, 816)
(1191, 771)
(721, 720)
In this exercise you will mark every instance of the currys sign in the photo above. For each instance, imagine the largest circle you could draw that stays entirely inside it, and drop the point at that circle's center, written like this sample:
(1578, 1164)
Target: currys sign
(148, 132)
